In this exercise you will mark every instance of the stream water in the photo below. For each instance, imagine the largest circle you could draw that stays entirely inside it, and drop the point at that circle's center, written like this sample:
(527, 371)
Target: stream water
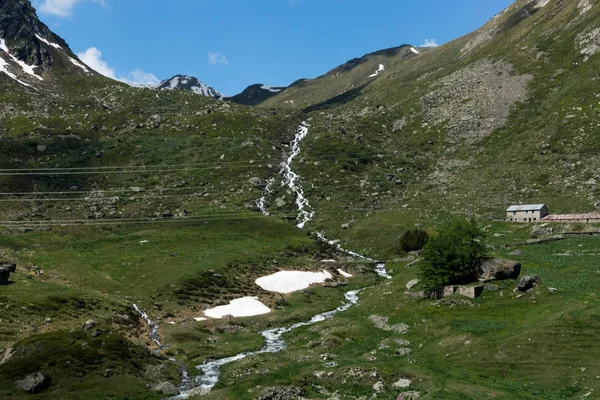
(274, 342)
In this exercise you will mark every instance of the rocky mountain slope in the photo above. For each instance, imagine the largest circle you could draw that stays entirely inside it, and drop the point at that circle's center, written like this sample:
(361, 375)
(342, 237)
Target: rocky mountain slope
(255, 94)
(112, 195)
(29, 51)
(344, 81)
(189, 83)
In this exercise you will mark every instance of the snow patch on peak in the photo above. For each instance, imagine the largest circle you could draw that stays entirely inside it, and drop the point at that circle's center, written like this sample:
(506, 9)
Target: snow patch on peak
(380, 69)
(49, 43)
(414, 50)
(184, 82)
(56, 46)
(3, 68)
(28, 69)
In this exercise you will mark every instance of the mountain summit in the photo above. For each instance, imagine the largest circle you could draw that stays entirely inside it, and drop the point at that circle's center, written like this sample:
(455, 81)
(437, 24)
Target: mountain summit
(189, 83)
(28, 48)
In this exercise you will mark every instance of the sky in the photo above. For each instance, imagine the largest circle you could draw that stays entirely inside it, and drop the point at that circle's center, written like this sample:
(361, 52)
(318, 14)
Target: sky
(230, 44)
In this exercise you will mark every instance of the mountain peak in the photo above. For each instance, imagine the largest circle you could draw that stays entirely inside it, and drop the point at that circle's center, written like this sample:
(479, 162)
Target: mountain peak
(28, 47)
(189, 83)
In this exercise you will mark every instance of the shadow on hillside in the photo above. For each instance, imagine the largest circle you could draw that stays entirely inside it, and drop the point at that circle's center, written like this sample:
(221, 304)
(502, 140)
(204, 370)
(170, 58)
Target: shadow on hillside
(339, 99)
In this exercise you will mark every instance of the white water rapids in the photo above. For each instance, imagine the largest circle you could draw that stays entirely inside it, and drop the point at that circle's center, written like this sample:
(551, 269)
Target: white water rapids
(211, 369)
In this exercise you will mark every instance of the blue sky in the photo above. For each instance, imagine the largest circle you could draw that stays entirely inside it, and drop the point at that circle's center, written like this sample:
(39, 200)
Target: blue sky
(230, 44)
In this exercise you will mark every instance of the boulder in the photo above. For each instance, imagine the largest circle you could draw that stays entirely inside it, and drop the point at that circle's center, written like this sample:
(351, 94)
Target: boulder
(167, 214)
(5, 269)
(402, 383)
(89, 325)
(166, 388)
(528, 282)
(498, 269)
(259, 183)
(34, 383)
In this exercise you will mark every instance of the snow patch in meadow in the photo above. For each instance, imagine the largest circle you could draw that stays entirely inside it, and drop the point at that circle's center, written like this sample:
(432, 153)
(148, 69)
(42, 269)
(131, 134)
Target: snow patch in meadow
(344, 273)
(200, 319)
(291, 281)
(243, 307)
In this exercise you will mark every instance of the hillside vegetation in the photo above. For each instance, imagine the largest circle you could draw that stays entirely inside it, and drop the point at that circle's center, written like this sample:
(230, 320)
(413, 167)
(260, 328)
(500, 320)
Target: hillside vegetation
(112, 196)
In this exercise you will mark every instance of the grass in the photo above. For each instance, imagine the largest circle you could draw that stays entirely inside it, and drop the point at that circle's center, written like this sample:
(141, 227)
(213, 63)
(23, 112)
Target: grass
(540, 346)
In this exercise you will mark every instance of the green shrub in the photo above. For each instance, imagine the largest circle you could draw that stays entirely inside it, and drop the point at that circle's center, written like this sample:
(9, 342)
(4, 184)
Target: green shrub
(452, 256)
(413, 240)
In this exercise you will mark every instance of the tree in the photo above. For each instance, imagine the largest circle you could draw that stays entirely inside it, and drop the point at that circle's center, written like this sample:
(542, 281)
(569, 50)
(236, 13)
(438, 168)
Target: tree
(452, 257)
(413, 240)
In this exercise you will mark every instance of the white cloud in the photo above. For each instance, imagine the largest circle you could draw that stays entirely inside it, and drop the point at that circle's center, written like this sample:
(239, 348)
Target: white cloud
(140, 78)
(93, 58)
(62, 8)
(429, 43)
(217, 58)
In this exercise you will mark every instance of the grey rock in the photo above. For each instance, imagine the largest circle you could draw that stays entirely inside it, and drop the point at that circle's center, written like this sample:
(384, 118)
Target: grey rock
(528, 282)
(259, 183)
(166, 388)
(89, 325)
(498, 269)
(34, 383)
(167, 214)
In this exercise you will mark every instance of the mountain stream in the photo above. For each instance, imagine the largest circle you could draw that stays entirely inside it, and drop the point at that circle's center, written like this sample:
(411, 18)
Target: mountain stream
(211, 369)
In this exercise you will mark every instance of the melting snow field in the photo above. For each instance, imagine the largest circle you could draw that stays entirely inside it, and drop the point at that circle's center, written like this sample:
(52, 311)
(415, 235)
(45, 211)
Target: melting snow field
(344, 273)
(381, 69)
(414, 50)
(291, 281)
(244, 307)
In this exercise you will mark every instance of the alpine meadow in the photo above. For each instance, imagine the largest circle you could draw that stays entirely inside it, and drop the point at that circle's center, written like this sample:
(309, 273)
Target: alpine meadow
(416, 223)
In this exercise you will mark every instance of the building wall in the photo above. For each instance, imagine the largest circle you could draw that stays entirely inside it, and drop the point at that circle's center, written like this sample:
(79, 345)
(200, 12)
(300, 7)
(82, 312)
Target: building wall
(527, 216)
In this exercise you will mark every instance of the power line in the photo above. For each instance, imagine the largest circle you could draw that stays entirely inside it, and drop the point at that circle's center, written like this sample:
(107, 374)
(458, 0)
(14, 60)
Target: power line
(159, 167)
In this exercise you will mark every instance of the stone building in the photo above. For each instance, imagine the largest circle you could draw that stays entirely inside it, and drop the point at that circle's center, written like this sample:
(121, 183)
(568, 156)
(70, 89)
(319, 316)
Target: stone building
(526, 213)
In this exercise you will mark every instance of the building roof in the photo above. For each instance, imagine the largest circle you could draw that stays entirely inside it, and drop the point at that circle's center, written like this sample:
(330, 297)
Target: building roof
(526, 207)
(569, 217)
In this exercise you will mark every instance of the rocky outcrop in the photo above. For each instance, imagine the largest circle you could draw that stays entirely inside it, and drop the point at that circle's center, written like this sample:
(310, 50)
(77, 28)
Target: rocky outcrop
(34, 383)
(475, 100)
(19, 26)
(281, 393)
(498, 269)
(383, 324)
